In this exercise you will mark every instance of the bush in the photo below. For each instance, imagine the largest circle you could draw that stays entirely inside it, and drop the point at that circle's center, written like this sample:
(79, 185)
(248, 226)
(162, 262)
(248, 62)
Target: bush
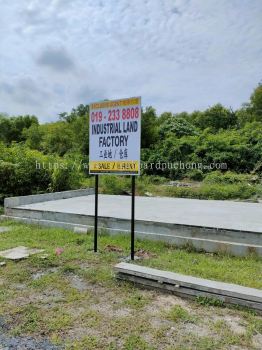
(112, 184)
(229, 177)
(195, 174)
(213, 191)
(24, 171)
(234, 191)
(7, 176)
(64, 178)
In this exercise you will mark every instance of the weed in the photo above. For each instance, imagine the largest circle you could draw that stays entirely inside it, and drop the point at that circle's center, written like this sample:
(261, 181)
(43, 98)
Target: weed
(178, 313)
(137, 300)
(208, 301)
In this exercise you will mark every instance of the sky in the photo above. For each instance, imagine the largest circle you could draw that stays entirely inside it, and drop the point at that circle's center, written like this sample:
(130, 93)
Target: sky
(178, 55)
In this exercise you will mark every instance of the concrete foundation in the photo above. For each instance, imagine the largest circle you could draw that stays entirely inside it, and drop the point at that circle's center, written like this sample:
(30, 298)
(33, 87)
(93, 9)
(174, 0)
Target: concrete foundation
(213, 226)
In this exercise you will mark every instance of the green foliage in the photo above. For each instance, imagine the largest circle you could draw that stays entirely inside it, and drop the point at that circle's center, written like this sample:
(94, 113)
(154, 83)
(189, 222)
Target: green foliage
(80, 111)
(112, 184)
(215, 118)
(178, 313)
(211, 188)
(256, 102)
(136, 342)
(175, 146)
(60, 137)
(217, 177)
(24, 171)
(148, 127)
(12, 129)
(172, 125)
(212, 191)
(33, 136)
(19, 173)
(208, 301)
(64, 177)
(195, 174)
(57, 138)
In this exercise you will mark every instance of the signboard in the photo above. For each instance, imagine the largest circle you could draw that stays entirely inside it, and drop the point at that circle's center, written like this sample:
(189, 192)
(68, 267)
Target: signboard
(115, 136)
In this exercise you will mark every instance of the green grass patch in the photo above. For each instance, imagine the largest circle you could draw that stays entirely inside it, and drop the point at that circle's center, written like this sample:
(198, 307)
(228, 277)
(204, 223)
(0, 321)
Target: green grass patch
(137, 300)
(209, 301)
(178, 313)
(216, 185)
(74, 298)
(136, 342)
(239, 270)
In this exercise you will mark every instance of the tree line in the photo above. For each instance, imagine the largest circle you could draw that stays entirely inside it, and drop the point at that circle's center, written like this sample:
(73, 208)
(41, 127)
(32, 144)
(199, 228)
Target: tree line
(217, 134)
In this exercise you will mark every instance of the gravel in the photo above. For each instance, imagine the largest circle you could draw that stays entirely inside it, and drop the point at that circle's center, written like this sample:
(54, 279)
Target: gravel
(23, 343)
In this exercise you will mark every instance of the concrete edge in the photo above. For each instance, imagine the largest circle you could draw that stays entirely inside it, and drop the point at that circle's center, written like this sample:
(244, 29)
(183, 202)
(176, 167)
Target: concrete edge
(11, 202)
(199, 244)
(169, 224)
(190, 286)
(153, 228)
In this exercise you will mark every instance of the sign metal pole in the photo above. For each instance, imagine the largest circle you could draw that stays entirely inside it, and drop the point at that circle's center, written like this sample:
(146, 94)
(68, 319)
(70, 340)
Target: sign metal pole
(96, 213)
(114, 148)
(133, 179)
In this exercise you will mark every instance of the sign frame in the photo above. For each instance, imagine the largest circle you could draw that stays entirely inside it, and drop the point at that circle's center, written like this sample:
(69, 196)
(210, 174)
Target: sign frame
(104, 116)
(121, 115)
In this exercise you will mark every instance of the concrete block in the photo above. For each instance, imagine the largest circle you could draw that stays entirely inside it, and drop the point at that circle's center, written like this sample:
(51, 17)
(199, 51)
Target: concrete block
(19, 253)
(12, 202)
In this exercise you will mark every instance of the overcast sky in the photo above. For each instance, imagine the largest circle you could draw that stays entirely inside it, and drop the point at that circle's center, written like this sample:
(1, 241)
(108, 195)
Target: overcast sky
(177, 54)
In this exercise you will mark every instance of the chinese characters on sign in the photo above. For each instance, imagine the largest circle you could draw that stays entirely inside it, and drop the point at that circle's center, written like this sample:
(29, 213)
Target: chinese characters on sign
(114, 137)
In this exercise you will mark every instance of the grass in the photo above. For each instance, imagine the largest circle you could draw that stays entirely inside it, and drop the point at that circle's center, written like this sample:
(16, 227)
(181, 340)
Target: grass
(178, 313)
(74, 298)
(221, 267)
(219, 187)
(210, 191)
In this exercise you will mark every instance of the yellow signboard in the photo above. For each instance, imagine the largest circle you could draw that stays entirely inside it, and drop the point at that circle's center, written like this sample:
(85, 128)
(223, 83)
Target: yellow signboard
(115, 137)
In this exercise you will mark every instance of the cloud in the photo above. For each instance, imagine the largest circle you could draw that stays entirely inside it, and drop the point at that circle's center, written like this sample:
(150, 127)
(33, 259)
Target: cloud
(56, 58)
(24, 91)
(90, 93)
(177, 54)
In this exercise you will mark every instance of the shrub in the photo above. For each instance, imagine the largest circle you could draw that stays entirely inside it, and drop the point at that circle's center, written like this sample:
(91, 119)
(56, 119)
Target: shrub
(229, 177)
(195, 174)
(213, 191)
(20, 173)
(65, 177)
(7, 176)
(24, 171)
(112, 184)
(234, 191)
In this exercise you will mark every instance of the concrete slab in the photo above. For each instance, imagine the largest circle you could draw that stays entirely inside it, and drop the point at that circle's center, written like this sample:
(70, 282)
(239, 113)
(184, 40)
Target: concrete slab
(19, 253)
(213, 226)
(227, 215)
(4, 229)
(190, 286)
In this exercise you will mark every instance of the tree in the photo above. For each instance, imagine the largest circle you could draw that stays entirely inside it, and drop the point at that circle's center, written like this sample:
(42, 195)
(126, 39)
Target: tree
(256, 103)
(148, 127)
(34, 136)
(79, 112)
(216, 117)
(12, 128)
(58, 138)
(252, 110)
(178, 126)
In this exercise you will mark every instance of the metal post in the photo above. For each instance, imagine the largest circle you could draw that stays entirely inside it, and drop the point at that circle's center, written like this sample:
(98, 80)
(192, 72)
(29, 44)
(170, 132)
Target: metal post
(96, 213)
(133, 218)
